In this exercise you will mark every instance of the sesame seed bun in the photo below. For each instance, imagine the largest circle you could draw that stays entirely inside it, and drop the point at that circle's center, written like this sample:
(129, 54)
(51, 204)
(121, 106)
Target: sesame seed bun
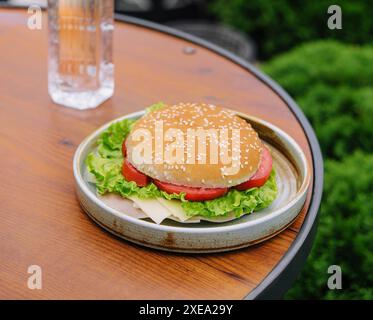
(210, 169)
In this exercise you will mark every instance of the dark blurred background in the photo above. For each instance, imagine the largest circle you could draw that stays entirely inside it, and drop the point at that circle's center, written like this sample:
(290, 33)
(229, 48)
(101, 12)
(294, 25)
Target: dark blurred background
(330, 75)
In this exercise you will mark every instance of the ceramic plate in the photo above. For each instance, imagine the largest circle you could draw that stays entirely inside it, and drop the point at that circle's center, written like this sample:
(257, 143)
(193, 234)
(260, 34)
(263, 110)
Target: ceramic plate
(293, 179)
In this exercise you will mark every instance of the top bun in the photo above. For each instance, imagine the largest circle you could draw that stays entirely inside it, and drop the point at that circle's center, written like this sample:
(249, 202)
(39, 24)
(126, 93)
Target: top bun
(225, 133)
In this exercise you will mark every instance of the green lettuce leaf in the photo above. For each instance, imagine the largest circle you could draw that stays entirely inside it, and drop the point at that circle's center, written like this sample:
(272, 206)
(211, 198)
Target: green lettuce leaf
(105, 164)
(239, 202)
(109, 178)
(110, 141)
(154, 107)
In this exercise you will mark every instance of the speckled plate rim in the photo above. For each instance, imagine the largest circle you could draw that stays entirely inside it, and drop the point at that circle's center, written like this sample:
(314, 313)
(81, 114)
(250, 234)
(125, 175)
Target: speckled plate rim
(184, 228)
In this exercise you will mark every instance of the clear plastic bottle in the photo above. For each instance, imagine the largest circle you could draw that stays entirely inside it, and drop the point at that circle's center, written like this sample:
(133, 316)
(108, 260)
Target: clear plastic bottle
(80, 68)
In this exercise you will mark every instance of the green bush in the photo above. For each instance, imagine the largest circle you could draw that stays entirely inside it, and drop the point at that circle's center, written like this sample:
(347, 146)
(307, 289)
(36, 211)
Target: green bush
(279, 25)
(345, 233)
(333, 84)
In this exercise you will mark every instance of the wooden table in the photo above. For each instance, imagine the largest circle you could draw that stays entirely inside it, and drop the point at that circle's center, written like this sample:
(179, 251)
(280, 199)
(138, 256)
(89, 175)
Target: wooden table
(41, 220)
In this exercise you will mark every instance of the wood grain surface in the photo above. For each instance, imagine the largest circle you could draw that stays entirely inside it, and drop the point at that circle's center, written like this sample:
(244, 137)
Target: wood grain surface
(41, 221)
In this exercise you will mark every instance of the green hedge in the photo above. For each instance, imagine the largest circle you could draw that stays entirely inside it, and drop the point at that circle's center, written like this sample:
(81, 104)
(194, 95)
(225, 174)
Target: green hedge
(333, 84)
(279, 25)
(345, 233)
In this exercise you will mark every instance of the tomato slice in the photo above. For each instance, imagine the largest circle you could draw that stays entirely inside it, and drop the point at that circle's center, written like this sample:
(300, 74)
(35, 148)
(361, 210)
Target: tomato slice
(124, 148)
(191, 193)
(261, 175)
(132, 174)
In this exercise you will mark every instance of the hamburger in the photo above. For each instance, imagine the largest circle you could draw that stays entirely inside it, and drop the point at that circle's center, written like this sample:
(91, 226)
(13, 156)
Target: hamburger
(194, 160)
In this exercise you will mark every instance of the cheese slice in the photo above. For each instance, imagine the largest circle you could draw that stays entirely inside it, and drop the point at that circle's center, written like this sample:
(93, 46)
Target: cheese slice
(178, 213)
(156, 209)
(152, 208)
(174, 206)
(122, 205)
